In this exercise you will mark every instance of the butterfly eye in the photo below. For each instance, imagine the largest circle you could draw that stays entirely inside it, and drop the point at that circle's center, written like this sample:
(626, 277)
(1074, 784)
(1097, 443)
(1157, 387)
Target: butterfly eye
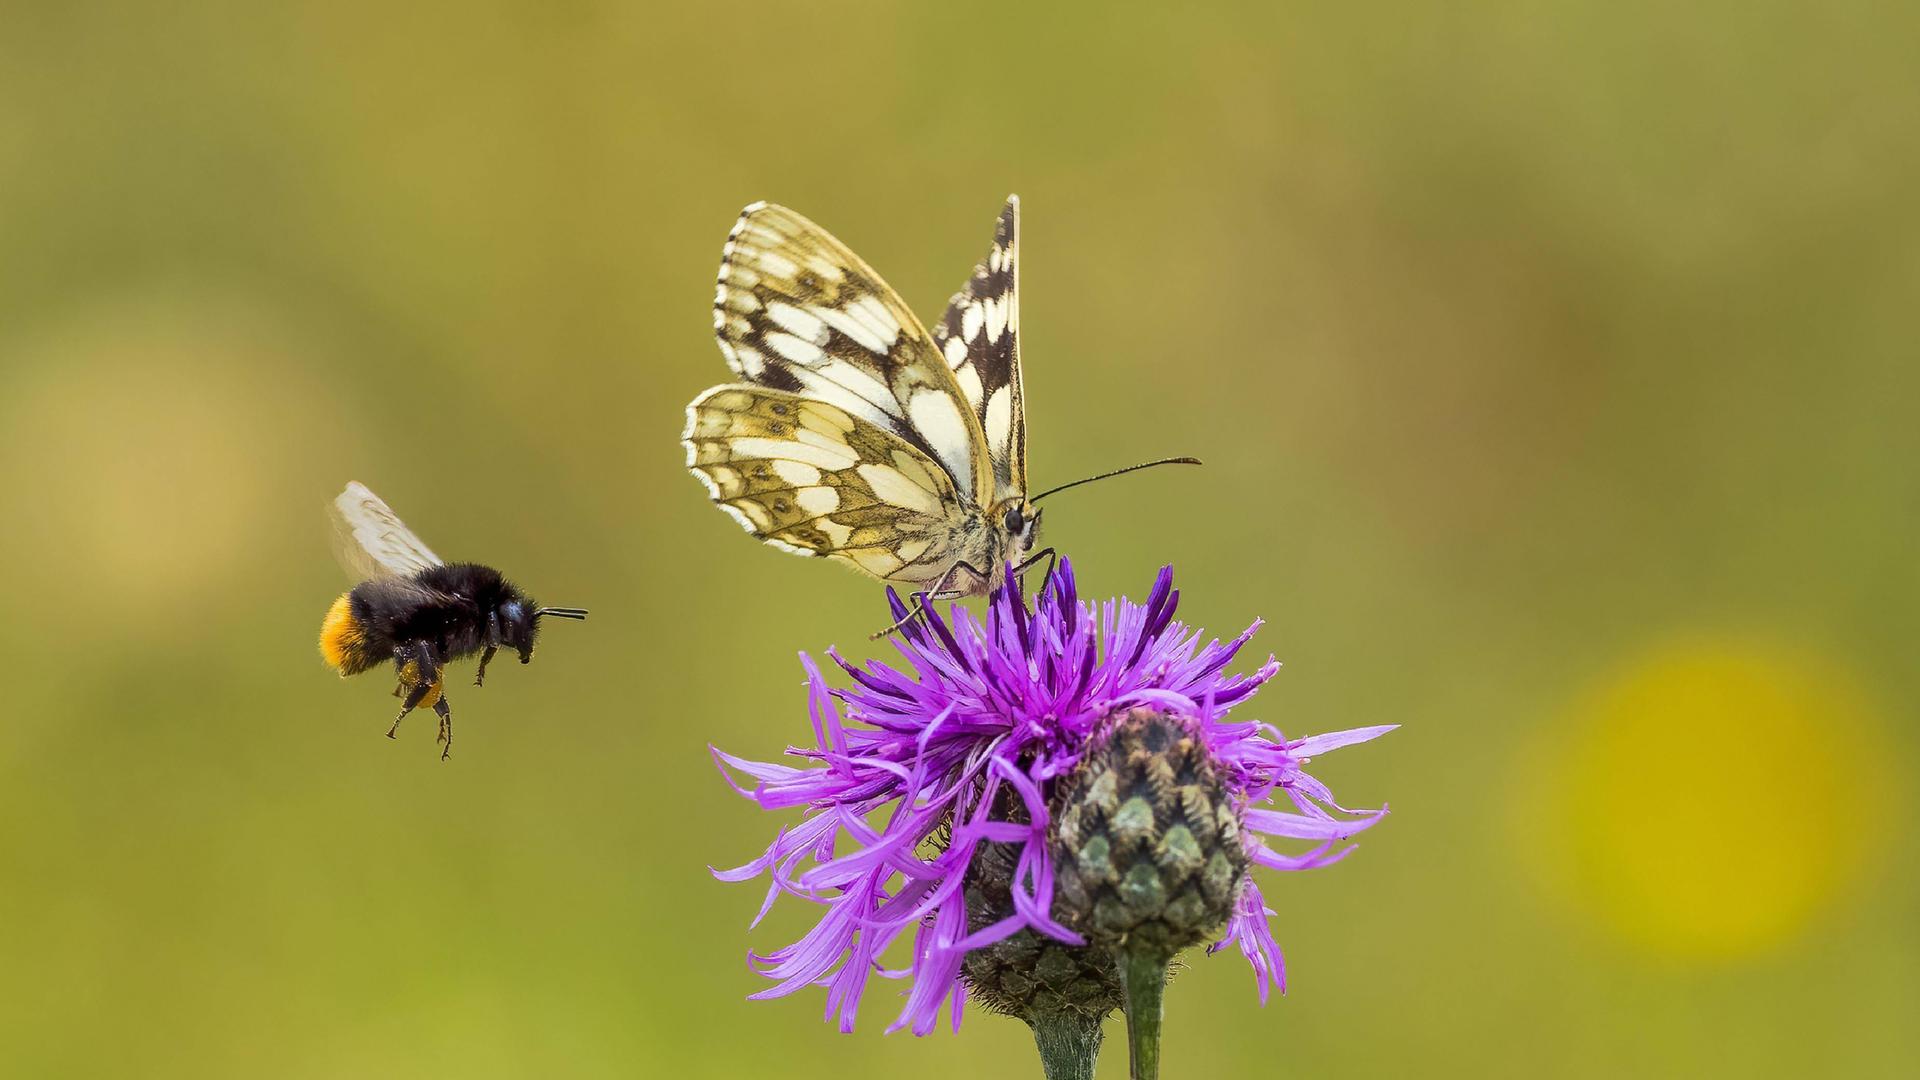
(1015, 521)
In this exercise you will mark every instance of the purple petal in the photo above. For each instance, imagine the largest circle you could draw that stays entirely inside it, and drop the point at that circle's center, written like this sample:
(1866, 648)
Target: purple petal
(976, 707)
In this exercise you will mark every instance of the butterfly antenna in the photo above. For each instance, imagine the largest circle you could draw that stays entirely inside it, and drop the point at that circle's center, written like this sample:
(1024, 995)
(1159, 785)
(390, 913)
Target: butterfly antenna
(1119, 472)
(563, 612)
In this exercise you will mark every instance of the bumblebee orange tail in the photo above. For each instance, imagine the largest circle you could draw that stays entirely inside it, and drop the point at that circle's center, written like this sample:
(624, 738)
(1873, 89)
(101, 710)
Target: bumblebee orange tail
(341, 637)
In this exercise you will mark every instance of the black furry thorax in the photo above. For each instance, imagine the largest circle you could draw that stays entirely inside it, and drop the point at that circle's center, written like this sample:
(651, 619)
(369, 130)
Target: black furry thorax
(459, 608)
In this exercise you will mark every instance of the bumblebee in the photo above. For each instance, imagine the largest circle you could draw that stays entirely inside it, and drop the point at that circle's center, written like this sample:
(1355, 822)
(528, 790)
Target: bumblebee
(420, 612)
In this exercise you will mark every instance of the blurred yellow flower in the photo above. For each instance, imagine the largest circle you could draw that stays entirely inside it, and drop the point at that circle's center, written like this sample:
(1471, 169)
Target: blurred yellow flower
(1712, 797)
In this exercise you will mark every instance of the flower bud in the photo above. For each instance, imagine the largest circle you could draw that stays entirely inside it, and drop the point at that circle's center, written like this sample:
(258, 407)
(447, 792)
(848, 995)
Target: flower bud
(1029, 976)
(1146, 838)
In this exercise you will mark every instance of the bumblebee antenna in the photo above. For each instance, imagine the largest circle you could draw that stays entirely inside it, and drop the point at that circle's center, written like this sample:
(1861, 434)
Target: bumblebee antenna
(577, 613)
(1119, 472)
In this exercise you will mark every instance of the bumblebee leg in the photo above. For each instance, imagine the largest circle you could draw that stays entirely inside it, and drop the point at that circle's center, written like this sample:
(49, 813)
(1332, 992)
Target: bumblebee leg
(420, 674)
(412, 700)
(445, 713)
(481, 675)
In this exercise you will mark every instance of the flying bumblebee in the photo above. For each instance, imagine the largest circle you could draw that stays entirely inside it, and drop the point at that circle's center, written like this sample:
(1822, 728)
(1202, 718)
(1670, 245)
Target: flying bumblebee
(420, 612)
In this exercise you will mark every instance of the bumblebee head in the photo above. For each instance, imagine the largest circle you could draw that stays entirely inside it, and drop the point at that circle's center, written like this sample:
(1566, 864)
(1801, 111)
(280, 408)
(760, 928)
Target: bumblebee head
(520, 624)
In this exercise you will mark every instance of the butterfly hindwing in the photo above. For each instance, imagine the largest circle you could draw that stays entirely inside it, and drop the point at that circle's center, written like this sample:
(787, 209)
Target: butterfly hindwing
(796, 311)
(811, 478)
(979, 337)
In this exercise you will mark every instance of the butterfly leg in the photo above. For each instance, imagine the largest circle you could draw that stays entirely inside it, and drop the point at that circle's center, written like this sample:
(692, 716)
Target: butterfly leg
(445, 713)
(1048, 554)
(942, 590)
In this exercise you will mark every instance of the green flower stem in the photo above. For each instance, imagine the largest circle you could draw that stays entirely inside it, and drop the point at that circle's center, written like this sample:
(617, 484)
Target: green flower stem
(1143, 983)
(1068, 1046)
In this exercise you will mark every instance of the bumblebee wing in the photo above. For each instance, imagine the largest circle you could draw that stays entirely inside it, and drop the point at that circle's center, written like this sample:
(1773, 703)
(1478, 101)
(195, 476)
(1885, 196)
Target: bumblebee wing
(371, 541)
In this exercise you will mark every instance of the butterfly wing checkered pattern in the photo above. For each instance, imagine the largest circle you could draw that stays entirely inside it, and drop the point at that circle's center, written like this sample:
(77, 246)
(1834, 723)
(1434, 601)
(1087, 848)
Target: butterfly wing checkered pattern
(795, 310)
(850, 437)
(979, 336)
(810, 478)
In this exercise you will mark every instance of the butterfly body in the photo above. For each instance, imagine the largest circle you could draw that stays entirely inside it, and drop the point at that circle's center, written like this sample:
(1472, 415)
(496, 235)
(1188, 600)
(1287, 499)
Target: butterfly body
(857, 435)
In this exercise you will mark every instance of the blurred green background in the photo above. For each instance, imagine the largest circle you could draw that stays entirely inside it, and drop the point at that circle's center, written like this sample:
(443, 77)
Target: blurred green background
(1554, 364)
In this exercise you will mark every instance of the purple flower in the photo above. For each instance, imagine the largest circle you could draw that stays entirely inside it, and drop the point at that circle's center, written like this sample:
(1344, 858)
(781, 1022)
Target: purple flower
(904, 761)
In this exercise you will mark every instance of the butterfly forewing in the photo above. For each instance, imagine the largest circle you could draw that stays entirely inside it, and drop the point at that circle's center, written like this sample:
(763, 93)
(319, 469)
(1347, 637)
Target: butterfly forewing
(812, 478)
(979, 336)
(795, 310)
(370, 539)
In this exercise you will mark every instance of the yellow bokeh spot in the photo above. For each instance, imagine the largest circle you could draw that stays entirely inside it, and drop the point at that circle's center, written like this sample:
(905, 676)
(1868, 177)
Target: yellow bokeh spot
(1711, 798)
(146, 446)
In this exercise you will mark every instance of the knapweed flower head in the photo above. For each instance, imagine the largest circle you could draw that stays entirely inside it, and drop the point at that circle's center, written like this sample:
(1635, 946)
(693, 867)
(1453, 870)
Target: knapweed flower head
(925, 779)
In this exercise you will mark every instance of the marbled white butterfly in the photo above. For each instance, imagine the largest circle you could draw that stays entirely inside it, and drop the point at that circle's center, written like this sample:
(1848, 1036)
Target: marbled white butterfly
(855, 434)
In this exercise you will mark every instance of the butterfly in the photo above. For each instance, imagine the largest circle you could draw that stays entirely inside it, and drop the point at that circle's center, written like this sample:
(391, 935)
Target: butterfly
(857, 435)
